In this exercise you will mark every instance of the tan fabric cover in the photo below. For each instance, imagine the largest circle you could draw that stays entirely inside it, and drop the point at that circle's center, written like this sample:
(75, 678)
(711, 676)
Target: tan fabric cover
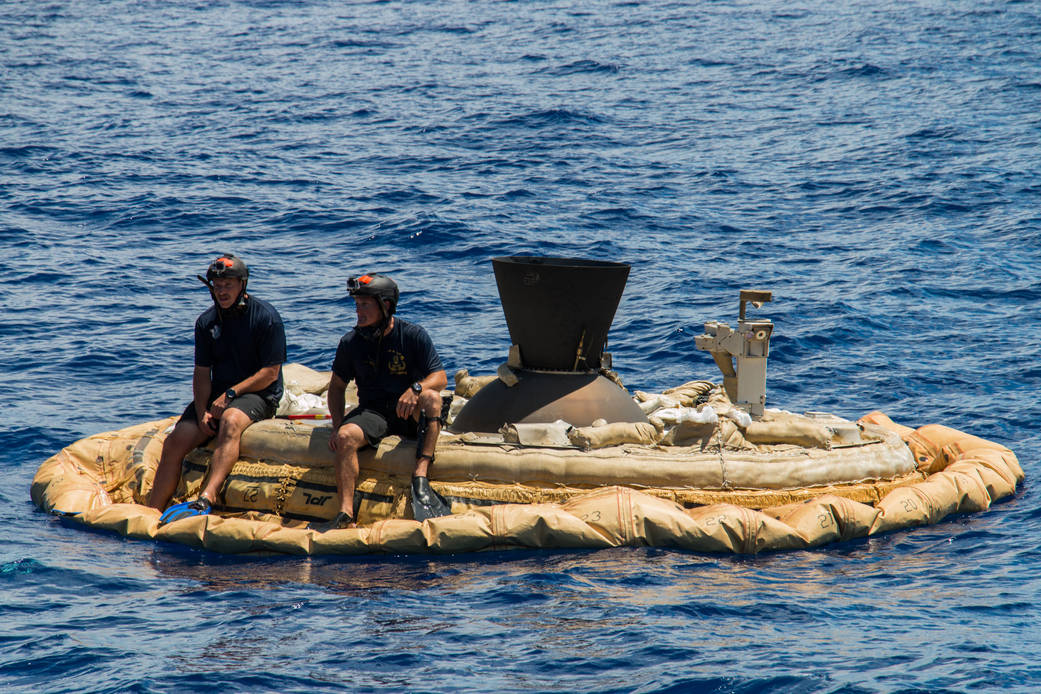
(880, 419)
(101, 476)
(507, 375)
(301, 379)
(690, 434)
(688, 393)
(466, 386)
(614, 434)
(537, 433)
(784, 428)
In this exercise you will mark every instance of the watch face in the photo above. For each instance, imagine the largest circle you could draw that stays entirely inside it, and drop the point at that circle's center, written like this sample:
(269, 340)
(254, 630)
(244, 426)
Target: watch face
(416, 388)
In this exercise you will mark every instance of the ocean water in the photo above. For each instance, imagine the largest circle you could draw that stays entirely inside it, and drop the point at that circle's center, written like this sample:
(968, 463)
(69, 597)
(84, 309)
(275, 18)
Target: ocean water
(876, 165)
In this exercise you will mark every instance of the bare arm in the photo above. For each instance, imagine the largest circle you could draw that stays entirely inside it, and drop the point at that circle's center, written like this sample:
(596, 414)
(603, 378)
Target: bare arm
(337, 400)
(201, 390)
(436, 381)
(258, 381)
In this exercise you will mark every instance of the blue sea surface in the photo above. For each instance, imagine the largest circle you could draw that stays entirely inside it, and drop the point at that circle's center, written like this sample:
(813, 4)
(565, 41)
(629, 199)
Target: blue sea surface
(876, 165)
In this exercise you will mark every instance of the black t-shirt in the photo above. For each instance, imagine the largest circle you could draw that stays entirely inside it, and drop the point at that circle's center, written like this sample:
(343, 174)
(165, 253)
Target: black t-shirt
(241, 344)
(404, 356)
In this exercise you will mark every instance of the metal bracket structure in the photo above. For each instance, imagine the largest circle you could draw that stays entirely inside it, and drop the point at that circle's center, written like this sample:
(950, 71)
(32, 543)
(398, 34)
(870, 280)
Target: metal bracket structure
(749, 345)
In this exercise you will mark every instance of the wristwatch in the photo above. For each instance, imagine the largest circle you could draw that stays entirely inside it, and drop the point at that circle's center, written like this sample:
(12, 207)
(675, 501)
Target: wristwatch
(230, 394)
(417, 388)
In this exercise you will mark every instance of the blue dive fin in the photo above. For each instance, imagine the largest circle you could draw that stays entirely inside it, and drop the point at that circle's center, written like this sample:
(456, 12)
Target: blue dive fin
(186, 509)
(426, 503)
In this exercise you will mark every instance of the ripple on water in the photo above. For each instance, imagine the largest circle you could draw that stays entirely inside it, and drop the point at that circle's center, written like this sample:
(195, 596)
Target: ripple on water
(878, 179)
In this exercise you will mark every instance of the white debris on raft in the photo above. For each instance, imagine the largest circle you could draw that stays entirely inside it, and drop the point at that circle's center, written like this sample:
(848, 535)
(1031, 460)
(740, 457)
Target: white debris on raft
(301, 403)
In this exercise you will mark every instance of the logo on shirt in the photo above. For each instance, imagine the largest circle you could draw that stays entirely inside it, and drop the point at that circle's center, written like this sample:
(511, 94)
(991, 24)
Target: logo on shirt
(397, 365)
(215, 331)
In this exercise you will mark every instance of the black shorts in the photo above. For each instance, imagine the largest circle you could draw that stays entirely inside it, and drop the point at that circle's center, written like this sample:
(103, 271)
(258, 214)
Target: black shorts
(375, 425)
(255, 407)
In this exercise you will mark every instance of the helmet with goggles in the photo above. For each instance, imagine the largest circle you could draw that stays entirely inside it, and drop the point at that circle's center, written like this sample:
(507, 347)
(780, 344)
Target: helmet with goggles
(381, 287)
(228, 265)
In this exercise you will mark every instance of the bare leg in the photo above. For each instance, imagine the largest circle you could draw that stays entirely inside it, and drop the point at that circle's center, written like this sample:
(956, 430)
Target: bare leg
(186, 436)
(426, 503)
(226, 453)
(347, 440)
(430, 403)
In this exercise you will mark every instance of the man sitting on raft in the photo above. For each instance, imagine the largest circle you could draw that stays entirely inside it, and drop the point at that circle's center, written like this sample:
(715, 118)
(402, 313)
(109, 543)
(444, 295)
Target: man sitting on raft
(400, 379)
(240, 345)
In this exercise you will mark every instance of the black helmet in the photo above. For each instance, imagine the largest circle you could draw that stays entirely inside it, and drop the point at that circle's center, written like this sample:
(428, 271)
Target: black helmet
(380, 286)
(228, 265)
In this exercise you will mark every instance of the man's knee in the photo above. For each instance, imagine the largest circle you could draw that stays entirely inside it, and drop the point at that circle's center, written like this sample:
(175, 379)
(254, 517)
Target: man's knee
(232, 423)
(349, 437)
(430, 402)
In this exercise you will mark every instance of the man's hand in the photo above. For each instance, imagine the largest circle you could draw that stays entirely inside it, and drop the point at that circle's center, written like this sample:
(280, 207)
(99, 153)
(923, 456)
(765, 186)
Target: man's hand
(407, 404)
(218, 407)
(209, 422)
(334, 440)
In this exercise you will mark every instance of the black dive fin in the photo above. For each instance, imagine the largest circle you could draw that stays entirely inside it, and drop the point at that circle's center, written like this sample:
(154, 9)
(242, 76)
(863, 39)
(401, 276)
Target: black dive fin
(426, 503)
(342, 520)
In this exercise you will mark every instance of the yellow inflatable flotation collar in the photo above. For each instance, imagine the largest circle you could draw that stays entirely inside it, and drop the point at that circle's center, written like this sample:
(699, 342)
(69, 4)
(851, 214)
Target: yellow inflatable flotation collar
(786, 482)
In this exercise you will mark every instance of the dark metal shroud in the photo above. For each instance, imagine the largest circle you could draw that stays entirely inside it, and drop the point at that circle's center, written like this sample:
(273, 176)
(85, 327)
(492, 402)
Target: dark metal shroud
(558, 311)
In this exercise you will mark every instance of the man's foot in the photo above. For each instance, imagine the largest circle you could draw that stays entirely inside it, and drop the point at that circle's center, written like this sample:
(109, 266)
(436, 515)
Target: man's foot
(426, 503)
(342, 520)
